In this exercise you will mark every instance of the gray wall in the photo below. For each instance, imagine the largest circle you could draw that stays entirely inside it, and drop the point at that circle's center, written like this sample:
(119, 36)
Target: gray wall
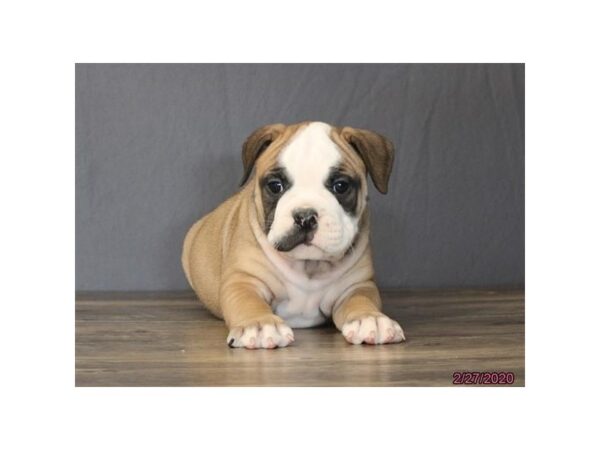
(158, 146)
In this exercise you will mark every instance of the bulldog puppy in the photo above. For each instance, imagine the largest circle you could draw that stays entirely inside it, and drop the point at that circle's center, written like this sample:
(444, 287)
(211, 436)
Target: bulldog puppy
(291, 248)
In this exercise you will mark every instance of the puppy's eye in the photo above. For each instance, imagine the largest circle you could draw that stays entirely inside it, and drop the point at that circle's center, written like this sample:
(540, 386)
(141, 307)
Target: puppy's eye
(275, 186)
(340, 187)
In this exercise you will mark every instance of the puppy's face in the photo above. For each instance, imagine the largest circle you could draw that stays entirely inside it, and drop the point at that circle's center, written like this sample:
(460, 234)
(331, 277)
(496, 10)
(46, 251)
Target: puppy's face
(310, 185)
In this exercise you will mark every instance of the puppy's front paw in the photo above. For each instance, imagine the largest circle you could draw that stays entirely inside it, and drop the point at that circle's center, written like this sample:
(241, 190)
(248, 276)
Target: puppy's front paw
(373, 330)
(261, 334)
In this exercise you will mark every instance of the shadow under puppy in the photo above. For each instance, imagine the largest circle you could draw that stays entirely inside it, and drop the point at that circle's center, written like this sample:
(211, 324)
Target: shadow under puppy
(291, 248)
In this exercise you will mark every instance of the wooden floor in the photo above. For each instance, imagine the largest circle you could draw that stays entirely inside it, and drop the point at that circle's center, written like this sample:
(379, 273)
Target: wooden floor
(168, 339)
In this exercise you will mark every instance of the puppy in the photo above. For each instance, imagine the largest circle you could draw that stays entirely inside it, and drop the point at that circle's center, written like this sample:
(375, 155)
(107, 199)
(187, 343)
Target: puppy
(291, 248)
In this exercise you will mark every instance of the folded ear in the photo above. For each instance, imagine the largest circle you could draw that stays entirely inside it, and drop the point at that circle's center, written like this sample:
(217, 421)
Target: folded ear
(257, 143)
(376, 151)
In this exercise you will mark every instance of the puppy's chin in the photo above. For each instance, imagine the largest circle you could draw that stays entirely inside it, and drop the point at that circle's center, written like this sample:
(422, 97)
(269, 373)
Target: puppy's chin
(311, 252)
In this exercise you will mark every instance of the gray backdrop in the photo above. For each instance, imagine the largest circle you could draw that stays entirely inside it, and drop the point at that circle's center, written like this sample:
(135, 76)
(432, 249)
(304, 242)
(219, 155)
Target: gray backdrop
(158, 146)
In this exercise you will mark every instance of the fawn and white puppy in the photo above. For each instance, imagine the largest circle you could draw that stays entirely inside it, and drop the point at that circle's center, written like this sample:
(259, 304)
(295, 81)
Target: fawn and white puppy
(291, 248)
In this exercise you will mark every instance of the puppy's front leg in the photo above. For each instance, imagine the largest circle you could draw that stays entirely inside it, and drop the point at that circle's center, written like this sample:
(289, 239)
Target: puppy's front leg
(250, 320)
(360, 319)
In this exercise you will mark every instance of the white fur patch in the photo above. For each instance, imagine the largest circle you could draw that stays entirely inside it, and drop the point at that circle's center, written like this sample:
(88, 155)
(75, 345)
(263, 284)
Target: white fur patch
(307, 159)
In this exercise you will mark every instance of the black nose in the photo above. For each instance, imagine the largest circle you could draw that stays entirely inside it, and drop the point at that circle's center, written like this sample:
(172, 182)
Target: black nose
(306, 219)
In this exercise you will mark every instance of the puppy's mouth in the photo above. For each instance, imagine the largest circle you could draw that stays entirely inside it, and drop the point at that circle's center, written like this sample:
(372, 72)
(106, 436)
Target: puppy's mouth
(294, 239)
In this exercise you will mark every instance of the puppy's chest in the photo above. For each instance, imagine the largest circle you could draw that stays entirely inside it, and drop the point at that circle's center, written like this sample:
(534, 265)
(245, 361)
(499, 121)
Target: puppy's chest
(304, 306)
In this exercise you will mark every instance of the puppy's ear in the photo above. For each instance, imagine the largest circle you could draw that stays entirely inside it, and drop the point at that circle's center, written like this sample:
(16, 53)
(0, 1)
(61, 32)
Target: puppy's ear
(376, 151)
(257, 143)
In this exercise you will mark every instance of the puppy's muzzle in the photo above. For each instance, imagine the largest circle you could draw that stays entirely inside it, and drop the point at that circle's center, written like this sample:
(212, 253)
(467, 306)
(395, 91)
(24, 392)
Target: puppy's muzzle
(305, 225)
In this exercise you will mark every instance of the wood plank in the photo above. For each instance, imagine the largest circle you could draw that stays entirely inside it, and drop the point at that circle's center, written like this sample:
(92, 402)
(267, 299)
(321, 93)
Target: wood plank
(169, 339)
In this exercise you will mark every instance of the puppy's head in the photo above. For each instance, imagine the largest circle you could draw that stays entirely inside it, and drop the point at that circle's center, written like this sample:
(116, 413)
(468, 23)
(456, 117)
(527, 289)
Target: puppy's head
(310, 185)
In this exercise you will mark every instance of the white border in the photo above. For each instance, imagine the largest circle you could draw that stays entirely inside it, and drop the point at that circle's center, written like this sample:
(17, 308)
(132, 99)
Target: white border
(42, 40)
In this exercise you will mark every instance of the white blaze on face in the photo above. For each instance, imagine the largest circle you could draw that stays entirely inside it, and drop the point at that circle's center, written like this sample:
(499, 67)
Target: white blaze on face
(308, 159)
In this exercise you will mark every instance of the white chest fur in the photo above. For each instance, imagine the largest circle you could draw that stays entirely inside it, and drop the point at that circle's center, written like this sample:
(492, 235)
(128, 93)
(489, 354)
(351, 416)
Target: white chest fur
(309, 301)
(301, 308)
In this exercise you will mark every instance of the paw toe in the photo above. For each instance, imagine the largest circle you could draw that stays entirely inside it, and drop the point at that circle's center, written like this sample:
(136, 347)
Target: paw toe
(350, 331)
